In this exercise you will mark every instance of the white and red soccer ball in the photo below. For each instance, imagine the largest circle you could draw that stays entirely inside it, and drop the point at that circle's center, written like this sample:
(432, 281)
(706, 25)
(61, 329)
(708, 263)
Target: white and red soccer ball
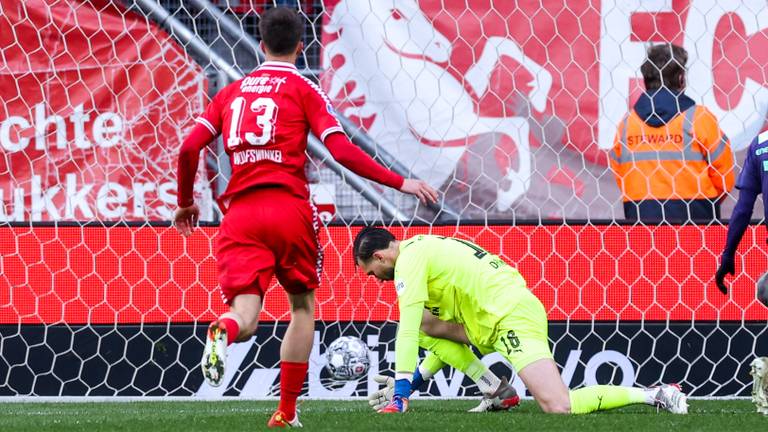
(347, 358)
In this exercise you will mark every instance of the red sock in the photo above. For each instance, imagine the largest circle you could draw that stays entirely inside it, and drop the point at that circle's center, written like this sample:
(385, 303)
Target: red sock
(292, 376)
(233, 329)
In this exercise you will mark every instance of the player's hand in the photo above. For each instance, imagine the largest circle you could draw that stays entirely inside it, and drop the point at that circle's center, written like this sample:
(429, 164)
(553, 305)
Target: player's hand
(420, 189)
(727, 267)
(185, 219)
(381, 397)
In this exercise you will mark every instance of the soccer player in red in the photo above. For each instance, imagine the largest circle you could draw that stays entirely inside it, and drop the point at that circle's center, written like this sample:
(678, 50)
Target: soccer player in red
(270, 227)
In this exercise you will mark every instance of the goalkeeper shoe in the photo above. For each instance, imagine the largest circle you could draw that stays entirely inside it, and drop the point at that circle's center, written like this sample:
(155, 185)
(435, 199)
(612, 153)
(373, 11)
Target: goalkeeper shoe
(503, 399)
(280, 420)
(398, 404)
(759, 372)
(671, 398)
(215, 354)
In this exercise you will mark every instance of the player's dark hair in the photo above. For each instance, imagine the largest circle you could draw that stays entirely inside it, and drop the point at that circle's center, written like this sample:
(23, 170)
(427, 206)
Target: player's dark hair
(664, 66)
(370, 240)
(281, 30)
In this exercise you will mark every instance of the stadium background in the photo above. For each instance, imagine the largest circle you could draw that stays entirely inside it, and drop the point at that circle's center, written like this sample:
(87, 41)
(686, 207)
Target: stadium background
(100, 297)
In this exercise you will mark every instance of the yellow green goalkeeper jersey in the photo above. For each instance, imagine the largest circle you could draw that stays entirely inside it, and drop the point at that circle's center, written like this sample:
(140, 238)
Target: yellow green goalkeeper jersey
(456, 281)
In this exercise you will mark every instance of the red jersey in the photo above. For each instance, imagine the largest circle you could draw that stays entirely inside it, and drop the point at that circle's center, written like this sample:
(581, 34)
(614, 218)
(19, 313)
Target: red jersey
(265, 119)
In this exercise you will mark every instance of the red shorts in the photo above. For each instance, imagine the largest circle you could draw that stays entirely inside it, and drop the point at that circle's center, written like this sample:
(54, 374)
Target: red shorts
(268, 232)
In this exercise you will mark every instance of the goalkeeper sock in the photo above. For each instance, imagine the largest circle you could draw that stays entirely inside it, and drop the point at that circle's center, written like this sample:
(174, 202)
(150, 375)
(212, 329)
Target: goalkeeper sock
(292, 376)
(476, 370)
(604, 397)
(488, 382)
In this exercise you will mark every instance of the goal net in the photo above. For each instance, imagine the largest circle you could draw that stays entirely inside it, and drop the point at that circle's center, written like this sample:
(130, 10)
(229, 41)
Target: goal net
(508, 108)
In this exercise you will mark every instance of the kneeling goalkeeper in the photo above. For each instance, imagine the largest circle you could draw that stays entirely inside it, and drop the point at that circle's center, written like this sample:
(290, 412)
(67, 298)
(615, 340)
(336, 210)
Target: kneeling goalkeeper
(461, 283)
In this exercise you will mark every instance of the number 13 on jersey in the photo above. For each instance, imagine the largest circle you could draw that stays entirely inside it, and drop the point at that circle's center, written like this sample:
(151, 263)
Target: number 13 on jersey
(259, 129)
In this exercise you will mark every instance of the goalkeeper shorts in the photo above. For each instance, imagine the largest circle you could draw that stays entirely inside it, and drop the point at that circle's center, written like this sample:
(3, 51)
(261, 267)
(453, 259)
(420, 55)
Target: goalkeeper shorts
(521, 337)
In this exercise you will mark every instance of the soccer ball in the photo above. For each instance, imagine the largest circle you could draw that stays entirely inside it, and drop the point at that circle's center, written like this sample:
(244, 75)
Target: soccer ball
(347, 358)
(762, 289)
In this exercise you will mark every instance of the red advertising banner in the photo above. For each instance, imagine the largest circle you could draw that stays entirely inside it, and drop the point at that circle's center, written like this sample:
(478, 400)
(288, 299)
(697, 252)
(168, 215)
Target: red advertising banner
(94, 107)
(150, 274)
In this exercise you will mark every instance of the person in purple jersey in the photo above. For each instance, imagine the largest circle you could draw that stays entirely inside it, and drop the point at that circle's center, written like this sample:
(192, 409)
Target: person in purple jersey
(752, 181)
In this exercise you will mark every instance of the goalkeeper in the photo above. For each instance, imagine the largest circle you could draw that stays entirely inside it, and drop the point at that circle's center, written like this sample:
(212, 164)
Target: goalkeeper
(462, 283)
(498, 394)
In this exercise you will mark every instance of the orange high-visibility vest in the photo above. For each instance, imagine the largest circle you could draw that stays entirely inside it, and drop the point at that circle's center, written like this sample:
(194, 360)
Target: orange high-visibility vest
(685, 159)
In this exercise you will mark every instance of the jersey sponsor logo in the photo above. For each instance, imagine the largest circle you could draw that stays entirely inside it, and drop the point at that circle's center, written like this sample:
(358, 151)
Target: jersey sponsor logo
(400, 287)
(256, 155)
(765, 165)
(261, 84)
(761, 151)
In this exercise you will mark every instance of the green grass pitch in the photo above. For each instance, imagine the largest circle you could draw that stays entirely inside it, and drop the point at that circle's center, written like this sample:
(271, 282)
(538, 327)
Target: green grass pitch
(345, 416)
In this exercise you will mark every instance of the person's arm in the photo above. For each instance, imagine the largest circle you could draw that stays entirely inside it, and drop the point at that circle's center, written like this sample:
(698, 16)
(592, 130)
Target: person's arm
(359, 162)
(407, 342)
(736, 227)
(410, 281)
(739, 221)
(718, 147)
(207, 127)
(189, 156)
(749, 186)
(436, 328)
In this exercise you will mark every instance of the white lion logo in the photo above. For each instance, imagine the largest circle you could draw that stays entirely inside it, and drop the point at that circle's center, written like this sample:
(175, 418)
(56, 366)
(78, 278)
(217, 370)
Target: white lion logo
(395, 60)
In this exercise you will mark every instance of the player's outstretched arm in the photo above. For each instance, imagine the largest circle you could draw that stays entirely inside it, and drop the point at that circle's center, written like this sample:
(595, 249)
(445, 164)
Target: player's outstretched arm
(187, 214)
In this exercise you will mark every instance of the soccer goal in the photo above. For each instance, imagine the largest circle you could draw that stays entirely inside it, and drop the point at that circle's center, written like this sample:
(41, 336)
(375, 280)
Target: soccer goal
(507, 108)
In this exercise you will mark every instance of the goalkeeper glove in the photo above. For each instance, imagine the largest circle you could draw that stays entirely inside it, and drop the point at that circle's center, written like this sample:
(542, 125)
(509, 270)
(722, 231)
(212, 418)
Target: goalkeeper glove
(381, 397)
(399, 402)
